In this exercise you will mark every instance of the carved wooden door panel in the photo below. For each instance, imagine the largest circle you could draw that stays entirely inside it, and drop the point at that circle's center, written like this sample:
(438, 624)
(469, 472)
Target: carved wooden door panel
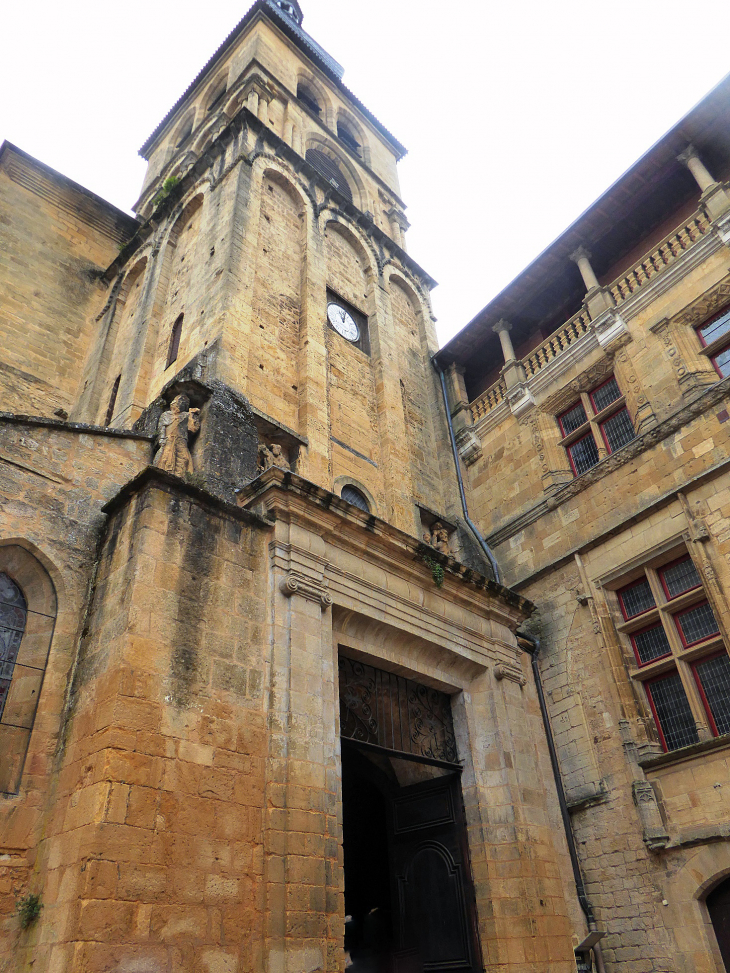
(433, 894)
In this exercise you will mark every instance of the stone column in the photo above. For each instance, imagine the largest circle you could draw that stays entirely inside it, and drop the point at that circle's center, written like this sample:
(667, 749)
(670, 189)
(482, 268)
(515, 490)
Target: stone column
(714, 198)
(696, 166)
(597, 298)
(513, 371)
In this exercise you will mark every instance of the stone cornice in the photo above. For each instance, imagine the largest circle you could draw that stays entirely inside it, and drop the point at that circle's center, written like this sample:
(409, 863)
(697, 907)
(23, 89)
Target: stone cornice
(154, 478)
(279, 494)
(62, 425)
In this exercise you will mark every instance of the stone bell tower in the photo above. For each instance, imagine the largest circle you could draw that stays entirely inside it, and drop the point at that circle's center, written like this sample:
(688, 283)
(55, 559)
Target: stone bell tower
(270, 259)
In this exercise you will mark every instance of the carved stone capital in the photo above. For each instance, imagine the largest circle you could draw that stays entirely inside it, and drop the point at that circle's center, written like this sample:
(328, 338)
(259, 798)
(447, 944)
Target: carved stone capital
(294, 583)
(580, 254)
(501, 326)
(502, 671)
(689, 153)
(520, 399)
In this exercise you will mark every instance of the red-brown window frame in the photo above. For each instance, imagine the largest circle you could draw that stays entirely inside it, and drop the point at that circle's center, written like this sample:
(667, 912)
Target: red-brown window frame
(657, 722)
(657, 658)
(726, 337)
(565, 412)
(603, 423)
(665, 567)
(575, 443)
(632, 584)
(596, 410)
(701, 689)
(677, 615)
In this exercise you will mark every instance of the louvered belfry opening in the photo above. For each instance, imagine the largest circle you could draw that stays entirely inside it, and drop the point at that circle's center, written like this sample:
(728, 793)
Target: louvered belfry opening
(330, 170)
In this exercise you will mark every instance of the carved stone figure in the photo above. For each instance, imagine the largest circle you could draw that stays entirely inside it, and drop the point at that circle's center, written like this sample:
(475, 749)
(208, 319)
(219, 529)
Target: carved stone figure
(439, 538)
(173, 432)
(272, 456)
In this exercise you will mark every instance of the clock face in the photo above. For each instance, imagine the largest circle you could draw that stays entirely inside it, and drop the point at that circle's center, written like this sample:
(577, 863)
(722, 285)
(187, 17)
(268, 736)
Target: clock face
(343, 322)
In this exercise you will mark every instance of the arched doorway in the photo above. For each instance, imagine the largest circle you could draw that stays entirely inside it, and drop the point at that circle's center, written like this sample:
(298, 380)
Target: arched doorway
(409, 897)
(718, 905)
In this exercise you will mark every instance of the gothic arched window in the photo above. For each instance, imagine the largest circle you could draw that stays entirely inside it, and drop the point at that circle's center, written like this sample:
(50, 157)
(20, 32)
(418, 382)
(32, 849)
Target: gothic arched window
(13, 614)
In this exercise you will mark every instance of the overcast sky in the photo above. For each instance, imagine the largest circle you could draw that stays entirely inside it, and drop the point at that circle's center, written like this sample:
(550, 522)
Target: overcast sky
(516, 115)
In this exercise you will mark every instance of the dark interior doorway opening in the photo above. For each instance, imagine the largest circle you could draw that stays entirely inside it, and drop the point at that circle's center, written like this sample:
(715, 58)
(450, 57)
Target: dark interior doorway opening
(718, 905)
(409, 898)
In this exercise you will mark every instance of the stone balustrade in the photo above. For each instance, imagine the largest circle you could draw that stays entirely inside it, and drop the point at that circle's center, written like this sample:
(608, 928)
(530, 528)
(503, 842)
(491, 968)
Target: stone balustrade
(662, 256)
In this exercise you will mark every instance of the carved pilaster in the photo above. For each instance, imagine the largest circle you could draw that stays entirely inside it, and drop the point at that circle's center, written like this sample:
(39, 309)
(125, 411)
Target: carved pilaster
(691, 379)
(639, 406)
(544, 432)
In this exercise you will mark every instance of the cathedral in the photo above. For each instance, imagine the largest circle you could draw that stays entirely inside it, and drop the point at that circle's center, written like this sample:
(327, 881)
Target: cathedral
(323, 648)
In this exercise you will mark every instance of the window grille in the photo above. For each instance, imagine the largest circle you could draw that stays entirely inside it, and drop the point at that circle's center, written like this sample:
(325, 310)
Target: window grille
(618, 430)
(605, 394)
(583, 454)
(573, 419)
(612, 432)
(13, 616)
(650, 644)
(713, 678)
(712, 332)
(672, 712)
(696, 624)
(673, 641)
(352, 495)
(636, 599)
(680, 576)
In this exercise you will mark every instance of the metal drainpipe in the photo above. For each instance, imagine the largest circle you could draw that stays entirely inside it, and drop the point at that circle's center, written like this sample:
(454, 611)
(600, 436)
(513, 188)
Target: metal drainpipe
(567, 824)
(470, 523)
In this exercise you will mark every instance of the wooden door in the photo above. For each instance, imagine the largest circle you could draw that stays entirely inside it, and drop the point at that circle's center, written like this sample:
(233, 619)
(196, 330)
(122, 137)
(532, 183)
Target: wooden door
(433, 897)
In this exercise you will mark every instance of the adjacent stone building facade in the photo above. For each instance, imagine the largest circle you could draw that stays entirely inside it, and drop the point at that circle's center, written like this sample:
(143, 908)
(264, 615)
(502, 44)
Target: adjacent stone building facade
(260, 670)
(590, 402)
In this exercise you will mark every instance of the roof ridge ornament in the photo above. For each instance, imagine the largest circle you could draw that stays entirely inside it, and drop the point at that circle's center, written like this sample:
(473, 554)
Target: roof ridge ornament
(292, 10)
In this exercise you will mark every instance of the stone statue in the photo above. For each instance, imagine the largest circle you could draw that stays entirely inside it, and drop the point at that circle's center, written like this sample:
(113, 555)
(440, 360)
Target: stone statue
(439, 538)
(272, 456)
(173, 431)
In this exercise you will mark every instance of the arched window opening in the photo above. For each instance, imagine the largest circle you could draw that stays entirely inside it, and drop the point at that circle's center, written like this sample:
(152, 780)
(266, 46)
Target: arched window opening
(27, 619)
(352, 495)
(185, 134)
(13, 616)
(308, 98)
(112, 400)
(718, 905)
(345, 135)
(330, 170)
(217, 99)
(174, 341)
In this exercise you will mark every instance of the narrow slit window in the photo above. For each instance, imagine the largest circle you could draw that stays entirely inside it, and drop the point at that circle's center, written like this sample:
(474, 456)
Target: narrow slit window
(174, 345)
(112, 400)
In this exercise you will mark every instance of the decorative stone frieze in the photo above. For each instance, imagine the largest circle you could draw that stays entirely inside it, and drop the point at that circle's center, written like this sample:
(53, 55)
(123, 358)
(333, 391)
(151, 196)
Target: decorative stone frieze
(520, 399)
(691, 380)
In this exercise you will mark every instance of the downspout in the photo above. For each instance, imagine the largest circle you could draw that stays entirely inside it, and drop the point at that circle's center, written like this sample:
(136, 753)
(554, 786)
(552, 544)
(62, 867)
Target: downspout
(565, 814)
(470, 523)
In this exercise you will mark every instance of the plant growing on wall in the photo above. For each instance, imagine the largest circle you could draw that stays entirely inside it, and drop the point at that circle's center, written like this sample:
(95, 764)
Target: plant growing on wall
(437, 571)
(29, 909)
